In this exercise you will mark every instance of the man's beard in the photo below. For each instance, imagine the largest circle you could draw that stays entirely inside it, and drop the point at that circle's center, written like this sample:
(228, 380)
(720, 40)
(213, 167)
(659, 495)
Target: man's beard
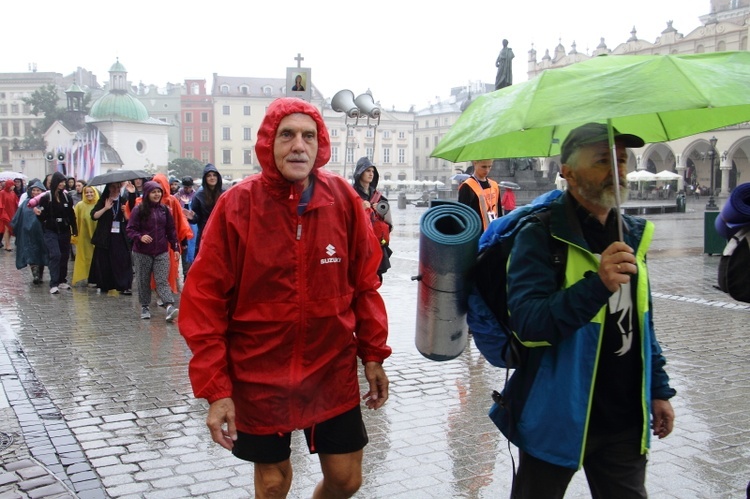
(603, 194)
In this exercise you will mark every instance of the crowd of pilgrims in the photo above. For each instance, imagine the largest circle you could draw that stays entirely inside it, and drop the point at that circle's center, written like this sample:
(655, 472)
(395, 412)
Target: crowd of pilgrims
(59, 219)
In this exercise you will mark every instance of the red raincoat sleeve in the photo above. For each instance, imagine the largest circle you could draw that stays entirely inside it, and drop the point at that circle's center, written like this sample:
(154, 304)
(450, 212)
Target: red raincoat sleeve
(369, 308)
(205, 305)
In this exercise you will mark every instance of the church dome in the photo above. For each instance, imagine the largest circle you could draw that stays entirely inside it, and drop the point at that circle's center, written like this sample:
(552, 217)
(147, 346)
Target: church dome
(118, 106)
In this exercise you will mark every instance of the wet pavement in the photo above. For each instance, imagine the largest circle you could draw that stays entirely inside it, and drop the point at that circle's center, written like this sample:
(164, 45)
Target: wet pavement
(96, 402)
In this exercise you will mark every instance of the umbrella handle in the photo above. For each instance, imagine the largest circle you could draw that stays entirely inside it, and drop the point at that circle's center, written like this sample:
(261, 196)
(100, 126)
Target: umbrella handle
(615, 178)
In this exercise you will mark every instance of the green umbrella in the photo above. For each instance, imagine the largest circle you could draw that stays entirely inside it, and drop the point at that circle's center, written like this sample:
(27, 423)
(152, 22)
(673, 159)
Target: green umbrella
(657, 97)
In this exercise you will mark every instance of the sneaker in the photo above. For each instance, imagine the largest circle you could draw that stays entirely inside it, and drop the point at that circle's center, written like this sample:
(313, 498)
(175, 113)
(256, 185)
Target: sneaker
(127, 292)
(145, 313)
(159, 303)
(53, 290)
(63, 285)
(172, 313)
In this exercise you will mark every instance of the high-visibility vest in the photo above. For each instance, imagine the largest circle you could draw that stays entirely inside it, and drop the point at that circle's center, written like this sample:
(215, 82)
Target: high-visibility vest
(488, 199)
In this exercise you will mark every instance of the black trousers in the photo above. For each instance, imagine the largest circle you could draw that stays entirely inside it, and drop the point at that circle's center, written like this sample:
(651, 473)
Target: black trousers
(614, 466)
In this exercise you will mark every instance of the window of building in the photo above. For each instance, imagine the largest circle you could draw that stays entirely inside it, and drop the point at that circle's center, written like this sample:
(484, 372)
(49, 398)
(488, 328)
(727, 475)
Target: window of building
(267, 91)
(416, 162)
(225, 110)
(204, 117)
(386, 155)
(204, 156)
(427, 123)
(195, 89)
(188, 135)
(247, 133)
(3, 129)
(246, 110)
(16, 129)
(226, 133)
(247, 156)
(401, 134)
(3, 108)
(27, 107)
(14, 109)
(188, 117)
(334, 154)
(401, 155)
(226, 157)
(350, 156)
(369, 133)
(334, 132)
(225, 90)
(416, 142)
(386, 134)
(6, 154)
(369, 152)
(189, 153)
(350, 132)
(204, 135)
(437, 122)
(244, 90)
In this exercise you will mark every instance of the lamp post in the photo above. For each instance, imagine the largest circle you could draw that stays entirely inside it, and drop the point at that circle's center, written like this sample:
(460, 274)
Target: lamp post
(712, 156)
(355, 108)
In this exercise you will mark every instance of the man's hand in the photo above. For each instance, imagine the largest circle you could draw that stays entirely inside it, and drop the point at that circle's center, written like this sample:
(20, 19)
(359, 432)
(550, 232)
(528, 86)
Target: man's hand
(378, 394)
(617, 265)
(663, 417)
(220, 422)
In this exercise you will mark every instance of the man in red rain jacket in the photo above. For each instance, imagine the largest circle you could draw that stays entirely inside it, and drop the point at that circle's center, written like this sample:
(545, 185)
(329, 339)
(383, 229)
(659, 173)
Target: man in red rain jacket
(280, 303)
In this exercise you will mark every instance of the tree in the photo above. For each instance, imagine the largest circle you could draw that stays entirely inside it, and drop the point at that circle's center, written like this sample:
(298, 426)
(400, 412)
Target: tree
(44, 102)
(182, 167)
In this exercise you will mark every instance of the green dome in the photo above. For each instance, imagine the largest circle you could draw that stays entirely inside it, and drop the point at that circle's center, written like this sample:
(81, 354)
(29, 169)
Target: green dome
(118, 67)
(118, 106)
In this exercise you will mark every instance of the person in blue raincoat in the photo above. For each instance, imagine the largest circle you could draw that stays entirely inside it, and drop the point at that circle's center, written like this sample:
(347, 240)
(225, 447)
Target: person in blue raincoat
(30, 247)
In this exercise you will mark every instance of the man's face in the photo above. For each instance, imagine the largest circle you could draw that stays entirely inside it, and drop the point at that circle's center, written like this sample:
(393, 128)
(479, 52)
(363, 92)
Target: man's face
(187, 189)
(174, 187)
(482, 168)
(138, 183)
(296, 147)
(591, 179)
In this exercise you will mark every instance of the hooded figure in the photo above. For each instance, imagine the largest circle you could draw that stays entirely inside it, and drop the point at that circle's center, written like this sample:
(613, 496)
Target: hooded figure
(205, 200)
(86, 228)
(180, 222)
(282, 297)
(30, 247)
(55, 212)
(376, 205)
(8, 207)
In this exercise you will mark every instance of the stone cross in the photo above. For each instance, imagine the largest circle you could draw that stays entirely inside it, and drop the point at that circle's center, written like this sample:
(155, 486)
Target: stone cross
(299, 60)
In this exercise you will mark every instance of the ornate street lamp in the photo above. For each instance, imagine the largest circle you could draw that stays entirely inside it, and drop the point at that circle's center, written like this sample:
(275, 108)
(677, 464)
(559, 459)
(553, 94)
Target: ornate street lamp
(712, 154)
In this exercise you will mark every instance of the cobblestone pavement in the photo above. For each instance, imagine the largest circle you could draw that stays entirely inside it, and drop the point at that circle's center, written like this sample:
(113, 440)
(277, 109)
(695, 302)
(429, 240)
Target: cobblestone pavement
(96, 402)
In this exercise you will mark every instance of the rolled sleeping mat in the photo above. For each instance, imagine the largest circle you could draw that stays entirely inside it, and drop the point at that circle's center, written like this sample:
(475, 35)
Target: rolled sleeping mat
(735, 214)
(448, 240)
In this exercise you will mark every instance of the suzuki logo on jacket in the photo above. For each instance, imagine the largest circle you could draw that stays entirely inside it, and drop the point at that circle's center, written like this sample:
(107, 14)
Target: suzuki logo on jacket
(330, 251)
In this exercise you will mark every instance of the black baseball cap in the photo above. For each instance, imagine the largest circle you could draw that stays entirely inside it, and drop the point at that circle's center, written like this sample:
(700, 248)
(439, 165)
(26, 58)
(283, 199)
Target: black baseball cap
(591, 133)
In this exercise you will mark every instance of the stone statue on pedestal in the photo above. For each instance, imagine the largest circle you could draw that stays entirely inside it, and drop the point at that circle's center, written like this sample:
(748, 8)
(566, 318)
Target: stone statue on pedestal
(504, 63)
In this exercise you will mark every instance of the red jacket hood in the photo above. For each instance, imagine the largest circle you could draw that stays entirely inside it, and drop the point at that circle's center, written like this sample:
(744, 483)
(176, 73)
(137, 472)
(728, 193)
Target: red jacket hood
(267, 134)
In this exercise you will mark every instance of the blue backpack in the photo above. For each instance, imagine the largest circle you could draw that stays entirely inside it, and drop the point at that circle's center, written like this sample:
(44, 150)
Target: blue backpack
(487, 314)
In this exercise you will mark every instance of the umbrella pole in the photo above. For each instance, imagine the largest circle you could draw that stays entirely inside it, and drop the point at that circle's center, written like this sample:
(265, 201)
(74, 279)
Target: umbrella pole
(615, 177)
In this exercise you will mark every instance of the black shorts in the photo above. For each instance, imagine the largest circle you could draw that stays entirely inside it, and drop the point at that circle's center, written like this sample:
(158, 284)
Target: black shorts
(341, 434)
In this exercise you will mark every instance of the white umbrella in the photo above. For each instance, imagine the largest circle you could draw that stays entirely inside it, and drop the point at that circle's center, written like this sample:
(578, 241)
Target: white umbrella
(641, 176)
(667, 175)
(11, 176)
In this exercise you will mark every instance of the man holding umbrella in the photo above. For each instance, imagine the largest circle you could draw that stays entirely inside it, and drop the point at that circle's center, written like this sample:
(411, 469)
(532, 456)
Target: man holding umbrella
(592, 379)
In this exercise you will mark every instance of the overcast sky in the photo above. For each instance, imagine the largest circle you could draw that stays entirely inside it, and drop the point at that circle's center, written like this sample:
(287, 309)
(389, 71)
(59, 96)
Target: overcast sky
(406, 51)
